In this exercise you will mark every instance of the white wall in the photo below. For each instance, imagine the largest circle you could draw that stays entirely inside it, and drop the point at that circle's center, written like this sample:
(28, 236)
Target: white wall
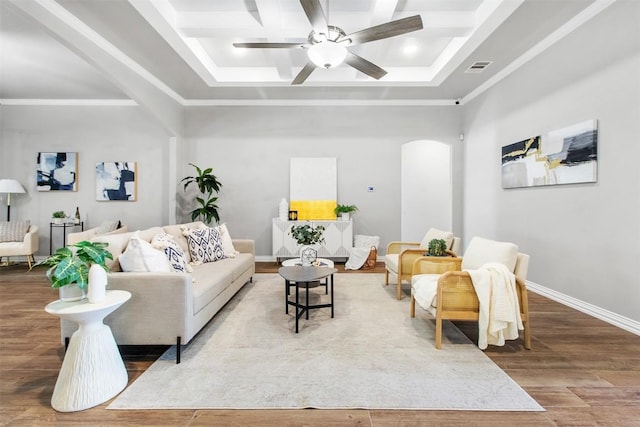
(584, 239)
(249, 149)
(97, 134)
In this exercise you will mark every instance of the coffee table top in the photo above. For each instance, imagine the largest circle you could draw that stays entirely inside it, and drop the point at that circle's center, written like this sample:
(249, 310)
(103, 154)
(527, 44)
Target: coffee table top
(305, 274)
(320, 262)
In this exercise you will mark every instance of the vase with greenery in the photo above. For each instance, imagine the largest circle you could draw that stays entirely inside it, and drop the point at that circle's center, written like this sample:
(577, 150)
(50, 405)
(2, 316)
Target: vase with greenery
(58, 217)
(307, 235)
(343, 211)
(437, 247)
(70, 266)
(209, 186)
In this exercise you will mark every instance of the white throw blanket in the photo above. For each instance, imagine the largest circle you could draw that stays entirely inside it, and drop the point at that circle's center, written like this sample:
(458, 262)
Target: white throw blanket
(499, 317)
(360, 252)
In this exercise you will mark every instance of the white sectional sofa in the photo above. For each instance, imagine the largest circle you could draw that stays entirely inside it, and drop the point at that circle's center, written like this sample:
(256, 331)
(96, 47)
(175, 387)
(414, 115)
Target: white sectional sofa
(171, 307)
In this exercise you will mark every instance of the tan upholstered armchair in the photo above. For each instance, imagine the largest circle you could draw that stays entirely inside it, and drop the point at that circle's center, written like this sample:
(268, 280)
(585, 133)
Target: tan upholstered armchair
(401, 255)
(27, 247)
(455, 296)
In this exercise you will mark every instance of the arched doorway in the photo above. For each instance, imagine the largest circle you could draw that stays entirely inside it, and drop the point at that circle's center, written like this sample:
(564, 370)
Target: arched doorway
(426, 188)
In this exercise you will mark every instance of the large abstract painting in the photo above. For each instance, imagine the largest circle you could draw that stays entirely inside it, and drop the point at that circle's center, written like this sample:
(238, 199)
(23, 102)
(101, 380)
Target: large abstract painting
(57, 172)
(116, 181)
(564, 156)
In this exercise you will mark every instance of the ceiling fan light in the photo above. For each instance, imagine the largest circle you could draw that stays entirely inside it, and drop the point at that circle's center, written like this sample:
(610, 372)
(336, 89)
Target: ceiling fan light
(327, 54)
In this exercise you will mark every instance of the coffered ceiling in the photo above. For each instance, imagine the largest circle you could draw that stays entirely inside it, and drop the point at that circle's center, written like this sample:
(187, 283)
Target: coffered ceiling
(54, 49)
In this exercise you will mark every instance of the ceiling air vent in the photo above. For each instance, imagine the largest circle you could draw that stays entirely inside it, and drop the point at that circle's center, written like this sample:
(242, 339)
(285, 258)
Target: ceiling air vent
(478, 66)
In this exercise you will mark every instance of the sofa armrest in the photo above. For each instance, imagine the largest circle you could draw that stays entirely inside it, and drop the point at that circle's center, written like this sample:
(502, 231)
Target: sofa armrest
(32, 240)
(397, 247)
(435, 265)
(245, 246)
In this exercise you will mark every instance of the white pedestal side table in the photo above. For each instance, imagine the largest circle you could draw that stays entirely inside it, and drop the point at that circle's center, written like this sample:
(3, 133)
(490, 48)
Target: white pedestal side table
(92, 371)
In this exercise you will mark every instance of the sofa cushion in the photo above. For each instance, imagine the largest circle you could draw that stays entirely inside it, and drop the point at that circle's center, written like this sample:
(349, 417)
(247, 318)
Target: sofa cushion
(13, 231)
(434, 233)
(227, 243)
(107, 227)
(481, 251)
(209, 280)
(176, 231)
(117, 243)
(391, 262)
(172, 251)
(205, 244)
(140, 256)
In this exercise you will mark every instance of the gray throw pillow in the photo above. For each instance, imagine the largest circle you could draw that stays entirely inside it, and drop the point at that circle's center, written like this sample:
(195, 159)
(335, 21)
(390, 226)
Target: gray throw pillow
(13, 231)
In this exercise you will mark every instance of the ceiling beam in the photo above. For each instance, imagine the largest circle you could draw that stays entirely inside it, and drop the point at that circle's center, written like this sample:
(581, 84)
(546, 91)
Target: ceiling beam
(149, 92)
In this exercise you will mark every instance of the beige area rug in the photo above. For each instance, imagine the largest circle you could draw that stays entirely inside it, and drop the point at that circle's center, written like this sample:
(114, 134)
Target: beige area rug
(370, 355)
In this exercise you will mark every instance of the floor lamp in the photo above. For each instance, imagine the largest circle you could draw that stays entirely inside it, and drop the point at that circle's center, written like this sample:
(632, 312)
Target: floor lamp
(10, 186)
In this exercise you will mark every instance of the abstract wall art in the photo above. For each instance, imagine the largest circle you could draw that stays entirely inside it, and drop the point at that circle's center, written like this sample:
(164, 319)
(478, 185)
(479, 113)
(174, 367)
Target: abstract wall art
(116, 181)
(564, 156)
(57, 172)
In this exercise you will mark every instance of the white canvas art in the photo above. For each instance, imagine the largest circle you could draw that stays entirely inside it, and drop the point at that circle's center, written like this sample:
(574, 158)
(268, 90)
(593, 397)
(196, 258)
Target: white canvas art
(564, 156)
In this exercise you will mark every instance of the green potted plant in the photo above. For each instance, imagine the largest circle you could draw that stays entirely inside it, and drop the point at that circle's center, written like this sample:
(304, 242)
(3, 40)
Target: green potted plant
(208, 185)
(343, 211)
(307, 235)
(437, 247)
(70, 267)
(58, 217)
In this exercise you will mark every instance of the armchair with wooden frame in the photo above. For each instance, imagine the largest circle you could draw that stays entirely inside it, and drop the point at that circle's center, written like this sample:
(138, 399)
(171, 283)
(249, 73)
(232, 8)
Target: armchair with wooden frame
(400, 256)
(455, 298)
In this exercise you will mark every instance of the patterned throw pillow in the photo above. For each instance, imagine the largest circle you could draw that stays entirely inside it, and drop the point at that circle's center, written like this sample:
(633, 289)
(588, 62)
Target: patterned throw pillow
(173, 251)
(13, 231)
(205, 244)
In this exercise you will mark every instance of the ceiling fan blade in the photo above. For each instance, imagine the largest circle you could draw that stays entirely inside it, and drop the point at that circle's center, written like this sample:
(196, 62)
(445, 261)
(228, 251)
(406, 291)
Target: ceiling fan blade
(304, 73)
(268, 45)
(361, 64)
(316, 16)
(383, 31)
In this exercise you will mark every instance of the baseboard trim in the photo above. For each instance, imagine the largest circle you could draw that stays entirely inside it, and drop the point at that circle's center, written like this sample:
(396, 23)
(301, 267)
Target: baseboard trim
(587, 308)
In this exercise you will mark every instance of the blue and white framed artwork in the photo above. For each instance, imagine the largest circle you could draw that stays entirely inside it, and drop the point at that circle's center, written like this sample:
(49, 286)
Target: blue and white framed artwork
(57, 171)
(116, 181)
(564, 156)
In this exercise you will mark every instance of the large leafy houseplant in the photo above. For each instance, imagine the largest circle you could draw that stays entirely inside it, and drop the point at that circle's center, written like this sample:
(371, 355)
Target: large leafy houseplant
(71, 264)
(208, 185)
(306, 234)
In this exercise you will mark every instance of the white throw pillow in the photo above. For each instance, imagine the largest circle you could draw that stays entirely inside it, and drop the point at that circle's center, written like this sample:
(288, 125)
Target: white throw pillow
(205, 244)
(140, 256)
(227, 242)
(434, 233)
(482, 251)
(173, 252)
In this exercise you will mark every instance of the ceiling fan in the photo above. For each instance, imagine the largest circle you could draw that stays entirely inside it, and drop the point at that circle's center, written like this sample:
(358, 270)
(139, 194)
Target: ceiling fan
(327, 45)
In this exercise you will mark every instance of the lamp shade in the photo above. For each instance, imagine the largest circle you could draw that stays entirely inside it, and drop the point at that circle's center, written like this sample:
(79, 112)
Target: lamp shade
(10, 186)
(327, 54)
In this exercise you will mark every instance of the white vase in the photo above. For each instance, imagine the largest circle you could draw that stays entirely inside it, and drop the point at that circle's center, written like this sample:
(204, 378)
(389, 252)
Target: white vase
(344, 216)
(308, 255)
(283, 210)
(97, 284)
(71, 292)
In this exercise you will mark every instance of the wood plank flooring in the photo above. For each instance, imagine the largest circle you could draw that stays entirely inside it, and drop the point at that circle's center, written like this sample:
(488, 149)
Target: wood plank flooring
(583, 371)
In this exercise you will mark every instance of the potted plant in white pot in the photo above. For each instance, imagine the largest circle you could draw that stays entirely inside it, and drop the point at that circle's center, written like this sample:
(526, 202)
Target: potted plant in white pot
(70, 266)
(343, 211)
(307, 235)
(58, 217)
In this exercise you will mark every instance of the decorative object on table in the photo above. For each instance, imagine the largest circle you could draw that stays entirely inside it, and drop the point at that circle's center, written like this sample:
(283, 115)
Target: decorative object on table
(343, 211)
(58, 217)
(8, 187)
(207, 184)
(293, 215)
(307, 235)
(57, 171)
(563, 156)
(70, 267)
(116, 181)
(97, 284)
(77, 216)
(437, 247)
(283, 210)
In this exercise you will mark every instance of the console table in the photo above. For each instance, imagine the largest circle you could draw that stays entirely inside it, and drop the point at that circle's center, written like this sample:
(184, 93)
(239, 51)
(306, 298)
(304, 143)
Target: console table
(92, 370)
(338, 238)
(64, 227)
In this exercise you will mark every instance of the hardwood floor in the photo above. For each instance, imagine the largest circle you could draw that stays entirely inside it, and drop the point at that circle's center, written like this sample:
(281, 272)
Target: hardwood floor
(583, 371)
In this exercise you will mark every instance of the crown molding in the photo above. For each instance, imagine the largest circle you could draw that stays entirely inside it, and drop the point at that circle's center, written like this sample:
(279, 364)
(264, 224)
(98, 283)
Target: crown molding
(71, 102)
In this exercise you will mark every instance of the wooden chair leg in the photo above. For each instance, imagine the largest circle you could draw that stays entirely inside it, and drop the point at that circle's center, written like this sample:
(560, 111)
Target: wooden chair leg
(399, 287)
(438, 332)
(386, 277)
(30, 258)
(413, 306)
(527, 335)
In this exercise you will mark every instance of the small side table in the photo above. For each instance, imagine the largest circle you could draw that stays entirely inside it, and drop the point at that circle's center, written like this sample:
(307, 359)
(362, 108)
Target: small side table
(92, 371)
(64, 227)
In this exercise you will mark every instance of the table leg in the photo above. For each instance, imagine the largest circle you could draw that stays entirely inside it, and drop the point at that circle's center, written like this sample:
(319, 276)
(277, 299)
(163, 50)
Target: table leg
(297, 303)
(307, 300)
(286, 297)
(332, 296)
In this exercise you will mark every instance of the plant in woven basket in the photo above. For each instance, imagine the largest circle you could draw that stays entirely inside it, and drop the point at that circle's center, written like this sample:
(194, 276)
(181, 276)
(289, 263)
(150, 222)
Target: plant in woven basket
(437, 247)
(306, 234)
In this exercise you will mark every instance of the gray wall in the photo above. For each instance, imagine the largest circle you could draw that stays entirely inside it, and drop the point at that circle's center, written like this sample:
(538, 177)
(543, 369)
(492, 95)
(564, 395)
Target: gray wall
(584, 240)
(97, 134)
(250, 147)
